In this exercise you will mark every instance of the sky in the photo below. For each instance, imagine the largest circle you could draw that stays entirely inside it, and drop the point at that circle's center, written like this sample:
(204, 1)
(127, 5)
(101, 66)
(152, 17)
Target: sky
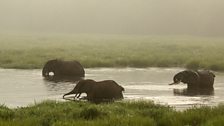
(148, 17)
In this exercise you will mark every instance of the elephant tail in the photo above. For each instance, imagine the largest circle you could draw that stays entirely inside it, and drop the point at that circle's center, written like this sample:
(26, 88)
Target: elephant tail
(122, 89)
(213, 74)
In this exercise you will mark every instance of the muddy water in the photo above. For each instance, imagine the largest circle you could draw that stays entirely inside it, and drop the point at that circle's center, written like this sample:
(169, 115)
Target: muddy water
(25, 87)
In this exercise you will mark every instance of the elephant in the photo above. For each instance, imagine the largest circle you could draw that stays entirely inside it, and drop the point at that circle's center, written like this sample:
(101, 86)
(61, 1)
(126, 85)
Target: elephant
(195, 79)
(63, 70)
(107, 90)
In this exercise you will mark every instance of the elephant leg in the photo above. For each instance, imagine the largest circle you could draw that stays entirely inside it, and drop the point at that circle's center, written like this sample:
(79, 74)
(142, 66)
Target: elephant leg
(78, 95)
(75, 95)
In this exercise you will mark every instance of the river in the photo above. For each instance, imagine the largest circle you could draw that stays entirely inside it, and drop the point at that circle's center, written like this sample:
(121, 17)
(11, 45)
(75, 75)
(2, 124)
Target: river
(26, 87)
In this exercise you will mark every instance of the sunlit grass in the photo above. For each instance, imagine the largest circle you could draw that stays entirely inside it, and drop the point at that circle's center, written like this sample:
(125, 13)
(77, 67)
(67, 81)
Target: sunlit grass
(32, 51)
(122, 113)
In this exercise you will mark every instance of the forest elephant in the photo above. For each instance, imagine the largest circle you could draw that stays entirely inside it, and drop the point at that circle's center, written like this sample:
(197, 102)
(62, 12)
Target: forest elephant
(62, 69)
(107, 90)
(195, 80)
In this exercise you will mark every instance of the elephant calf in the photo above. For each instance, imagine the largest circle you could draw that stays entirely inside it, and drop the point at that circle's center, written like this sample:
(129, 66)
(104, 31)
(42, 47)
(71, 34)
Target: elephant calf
(202, 79)
(62, 69)
(98, 91)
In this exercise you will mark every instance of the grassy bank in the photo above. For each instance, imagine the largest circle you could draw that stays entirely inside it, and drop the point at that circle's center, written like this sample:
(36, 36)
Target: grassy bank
(139, 113)
(32, 51)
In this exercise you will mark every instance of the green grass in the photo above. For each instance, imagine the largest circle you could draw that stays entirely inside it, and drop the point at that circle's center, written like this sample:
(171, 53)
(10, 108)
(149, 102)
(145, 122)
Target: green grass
(125, 113)
(32, 51)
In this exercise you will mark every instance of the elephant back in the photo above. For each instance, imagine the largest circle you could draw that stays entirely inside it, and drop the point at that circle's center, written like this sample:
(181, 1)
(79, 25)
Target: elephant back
(73, 68)
(206, 79)
(107, 89)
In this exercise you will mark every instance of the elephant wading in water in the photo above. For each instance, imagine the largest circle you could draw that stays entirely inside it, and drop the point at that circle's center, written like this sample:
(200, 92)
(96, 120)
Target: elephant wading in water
(62, 70)
(107, 90)
(197, 81)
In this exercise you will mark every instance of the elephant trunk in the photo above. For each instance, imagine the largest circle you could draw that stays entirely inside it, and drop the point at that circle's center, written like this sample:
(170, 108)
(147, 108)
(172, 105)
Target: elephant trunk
(71, 92)
(177, 78)
(67, 94)
(175, 83)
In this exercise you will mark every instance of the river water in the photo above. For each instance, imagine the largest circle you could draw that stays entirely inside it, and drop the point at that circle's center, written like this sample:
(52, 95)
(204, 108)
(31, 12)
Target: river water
(26, 87)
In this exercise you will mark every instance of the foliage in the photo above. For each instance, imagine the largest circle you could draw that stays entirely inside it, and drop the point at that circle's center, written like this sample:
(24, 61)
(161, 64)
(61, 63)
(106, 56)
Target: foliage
(120, 113)
(32, 51)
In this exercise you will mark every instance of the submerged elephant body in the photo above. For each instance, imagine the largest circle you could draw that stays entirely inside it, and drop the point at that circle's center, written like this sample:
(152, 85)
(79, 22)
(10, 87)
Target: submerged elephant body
(193, 92)
(63, 69)
(98, 91)
(202, 79)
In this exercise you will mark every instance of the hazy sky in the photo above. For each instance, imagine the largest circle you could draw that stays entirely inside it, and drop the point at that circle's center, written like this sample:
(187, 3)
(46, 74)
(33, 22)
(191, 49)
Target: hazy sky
(162, 17)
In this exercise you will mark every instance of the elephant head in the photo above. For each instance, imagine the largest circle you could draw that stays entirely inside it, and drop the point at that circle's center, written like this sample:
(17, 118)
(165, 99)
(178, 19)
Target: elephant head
(98, 91)
(189, 77)
(50, 66)
(60, 70)
(82, 86)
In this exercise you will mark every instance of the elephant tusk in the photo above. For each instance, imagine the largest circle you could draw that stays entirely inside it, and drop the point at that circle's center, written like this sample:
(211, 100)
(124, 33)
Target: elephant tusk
(64, 96)
(70, 93)
(174, 83)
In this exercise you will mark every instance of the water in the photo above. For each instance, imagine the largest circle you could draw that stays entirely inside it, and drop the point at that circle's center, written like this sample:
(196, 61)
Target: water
(26, 87)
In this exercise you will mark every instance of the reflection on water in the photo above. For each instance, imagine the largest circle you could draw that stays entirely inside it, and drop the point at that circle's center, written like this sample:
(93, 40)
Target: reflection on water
(57, 79)
(25, 87)
(187, 92)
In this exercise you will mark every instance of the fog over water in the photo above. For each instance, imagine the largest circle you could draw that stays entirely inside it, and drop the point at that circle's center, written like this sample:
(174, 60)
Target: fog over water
(153, 17)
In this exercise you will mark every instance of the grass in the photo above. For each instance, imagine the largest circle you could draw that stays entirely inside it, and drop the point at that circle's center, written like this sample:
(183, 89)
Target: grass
(32, 51)
(126, 113)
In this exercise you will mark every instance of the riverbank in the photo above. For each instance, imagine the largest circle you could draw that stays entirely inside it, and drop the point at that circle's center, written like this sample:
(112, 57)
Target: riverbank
(28, 51)
(121, 113)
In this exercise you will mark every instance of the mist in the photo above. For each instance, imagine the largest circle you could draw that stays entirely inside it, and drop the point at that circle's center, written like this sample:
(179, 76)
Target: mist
(148, 17)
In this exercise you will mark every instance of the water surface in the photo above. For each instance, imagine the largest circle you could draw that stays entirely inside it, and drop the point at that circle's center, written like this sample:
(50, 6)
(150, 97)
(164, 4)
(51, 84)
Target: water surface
(26, 87)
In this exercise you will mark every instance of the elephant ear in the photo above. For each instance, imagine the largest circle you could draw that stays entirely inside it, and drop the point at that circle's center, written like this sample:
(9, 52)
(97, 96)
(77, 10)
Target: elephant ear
(178, 78)
(191, 77)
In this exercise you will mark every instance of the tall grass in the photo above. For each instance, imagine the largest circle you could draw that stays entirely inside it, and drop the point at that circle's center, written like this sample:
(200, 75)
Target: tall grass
(133, 113)
(32, 51)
